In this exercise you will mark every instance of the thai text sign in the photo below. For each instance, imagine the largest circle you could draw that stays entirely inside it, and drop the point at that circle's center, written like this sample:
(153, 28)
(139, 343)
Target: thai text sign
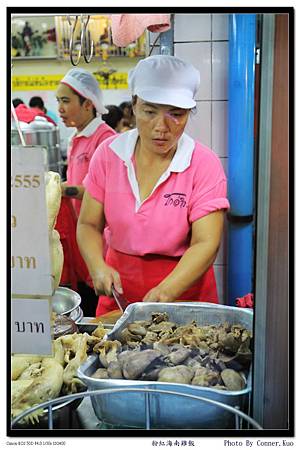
(118, 80)
(30, 326)
(30, 250)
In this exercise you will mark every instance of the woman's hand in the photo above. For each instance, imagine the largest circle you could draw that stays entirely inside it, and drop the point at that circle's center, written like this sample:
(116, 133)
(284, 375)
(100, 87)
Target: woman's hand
(159, 294)
(103, 280)
(90, 227)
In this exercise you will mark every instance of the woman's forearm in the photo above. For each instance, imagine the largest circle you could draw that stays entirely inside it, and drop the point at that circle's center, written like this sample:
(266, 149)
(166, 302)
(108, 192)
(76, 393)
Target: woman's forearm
(192, 265)
(90, 242)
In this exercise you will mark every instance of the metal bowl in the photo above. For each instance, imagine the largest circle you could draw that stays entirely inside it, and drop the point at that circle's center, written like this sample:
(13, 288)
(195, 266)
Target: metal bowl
(65, 300)
(76, 314)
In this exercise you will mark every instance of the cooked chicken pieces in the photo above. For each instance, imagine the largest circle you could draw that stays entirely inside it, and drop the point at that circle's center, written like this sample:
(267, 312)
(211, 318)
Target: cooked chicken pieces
(161, 350)
(177, 374)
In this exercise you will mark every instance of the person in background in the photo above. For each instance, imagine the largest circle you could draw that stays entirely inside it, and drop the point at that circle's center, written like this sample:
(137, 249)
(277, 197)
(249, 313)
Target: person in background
(17, 101)
(27, 34)
(23, 112)
(37, 104)
(161, 194)
(80, 106)
(128, 116)
(113, 117)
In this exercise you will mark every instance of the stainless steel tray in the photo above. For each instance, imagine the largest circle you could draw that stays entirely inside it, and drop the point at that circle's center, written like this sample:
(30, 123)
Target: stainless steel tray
(168, 411)
(86, 325)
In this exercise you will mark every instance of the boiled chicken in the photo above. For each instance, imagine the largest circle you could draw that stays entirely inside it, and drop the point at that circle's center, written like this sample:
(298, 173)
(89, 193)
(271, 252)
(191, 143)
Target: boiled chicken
(57, 257)
(53, 196)
(41, 383)
(177, 374)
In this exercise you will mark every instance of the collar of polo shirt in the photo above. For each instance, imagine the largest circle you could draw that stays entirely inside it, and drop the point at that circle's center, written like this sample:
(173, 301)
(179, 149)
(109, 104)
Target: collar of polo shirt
(124, 146)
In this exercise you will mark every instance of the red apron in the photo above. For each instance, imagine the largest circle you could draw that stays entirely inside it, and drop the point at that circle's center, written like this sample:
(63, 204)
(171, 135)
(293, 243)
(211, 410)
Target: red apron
(74, 268)
(139, 274)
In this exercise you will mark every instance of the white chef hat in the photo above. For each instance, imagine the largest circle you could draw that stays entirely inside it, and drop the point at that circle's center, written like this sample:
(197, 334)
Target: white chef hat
(166, 80)
(83, 82)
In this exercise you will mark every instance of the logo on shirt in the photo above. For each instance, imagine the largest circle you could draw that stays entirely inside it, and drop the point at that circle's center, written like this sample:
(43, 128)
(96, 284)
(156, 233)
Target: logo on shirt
(83, 157)
(175, 199)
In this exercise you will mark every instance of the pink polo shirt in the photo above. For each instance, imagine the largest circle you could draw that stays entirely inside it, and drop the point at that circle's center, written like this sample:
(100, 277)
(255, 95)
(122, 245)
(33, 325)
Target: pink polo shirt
(81, 149)
(193, 186)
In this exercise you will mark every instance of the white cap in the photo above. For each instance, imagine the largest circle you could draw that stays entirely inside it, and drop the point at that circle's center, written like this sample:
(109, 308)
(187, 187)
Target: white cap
(83, 82)
(166, 80)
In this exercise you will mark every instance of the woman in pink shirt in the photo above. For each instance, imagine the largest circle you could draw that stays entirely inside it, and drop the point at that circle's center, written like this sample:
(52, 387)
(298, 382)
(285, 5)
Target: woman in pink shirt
(80, 105)
(160, 193)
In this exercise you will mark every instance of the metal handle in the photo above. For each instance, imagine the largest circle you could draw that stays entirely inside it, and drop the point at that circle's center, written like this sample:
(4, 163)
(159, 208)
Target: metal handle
(83, 48)
(84, 39)
(72, 30)
(18, 125)
(116, 297)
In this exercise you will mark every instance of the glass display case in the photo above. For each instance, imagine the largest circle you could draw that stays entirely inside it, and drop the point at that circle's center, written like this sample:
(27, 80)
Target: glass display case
(98, 30)
(33, 37)
(49, 36)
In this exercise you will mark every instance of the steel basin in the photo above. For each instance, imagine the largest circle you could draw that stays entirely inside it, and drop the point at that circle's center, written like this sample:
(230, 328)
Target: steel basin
(65, 300)
(168, 411)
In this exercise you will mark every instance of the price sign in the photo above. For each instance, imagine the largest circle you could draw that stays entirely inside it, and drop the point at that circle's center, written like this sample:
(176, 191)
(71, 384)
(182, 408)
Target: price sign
(30, 252)
(30, 326)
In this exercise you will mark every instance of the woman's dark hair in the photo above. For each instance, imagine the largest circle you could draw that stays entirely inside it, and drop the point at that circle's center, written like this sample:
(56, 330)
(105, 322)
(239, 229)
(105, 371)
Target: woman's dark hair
(36, 102)
(124, 105)
(126, 108)
(81, 101)
(113, 117)
(17, 101)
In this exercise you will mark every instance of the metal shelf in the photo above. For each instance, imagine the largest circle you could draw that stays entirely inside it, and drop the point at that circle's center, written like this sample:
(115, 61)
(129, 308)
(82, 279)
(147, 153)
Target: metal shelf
(239, 415)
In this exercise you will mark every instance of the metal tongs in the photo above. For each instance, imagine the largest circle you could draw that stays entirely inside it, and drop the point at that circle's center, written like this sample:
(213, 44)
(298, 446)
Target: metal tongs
(119, 299)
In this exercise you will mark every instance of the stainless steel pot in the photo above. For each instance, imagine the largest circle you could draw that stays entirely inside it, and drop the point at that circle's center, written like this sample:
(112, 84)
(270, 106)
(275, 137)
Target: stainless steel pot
(44, 134)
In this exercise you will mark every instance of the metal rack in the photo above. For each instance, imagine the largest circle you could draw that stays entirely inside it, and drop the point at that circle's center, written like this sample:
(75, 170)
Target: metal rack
(239, 415)
(83, 48)
(87, 46)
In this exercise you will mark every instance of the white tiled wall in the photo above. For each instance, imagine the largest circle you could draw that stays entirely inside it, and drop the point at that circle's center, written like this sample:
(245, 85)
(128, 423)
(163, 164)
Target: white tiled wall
(219, 70)
(219, 27)
(219, 127)
(192, 27)
(202, 39)
(202, 62)
(199, 124)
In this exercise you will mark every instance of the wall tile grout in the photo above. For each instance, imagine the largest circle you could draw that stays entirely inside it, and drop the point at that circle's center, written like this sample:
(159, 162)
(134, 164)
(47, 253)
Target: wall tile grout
(212, 100)
(211, 85)
(199, 42)
(210, 109)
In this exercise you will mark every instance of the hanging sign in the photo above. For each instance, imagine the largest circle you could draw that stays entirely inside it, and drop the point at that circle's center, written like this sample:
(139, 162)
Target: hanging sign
(118, 80)
(35, 82)
(31, 326)
(30, 249)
